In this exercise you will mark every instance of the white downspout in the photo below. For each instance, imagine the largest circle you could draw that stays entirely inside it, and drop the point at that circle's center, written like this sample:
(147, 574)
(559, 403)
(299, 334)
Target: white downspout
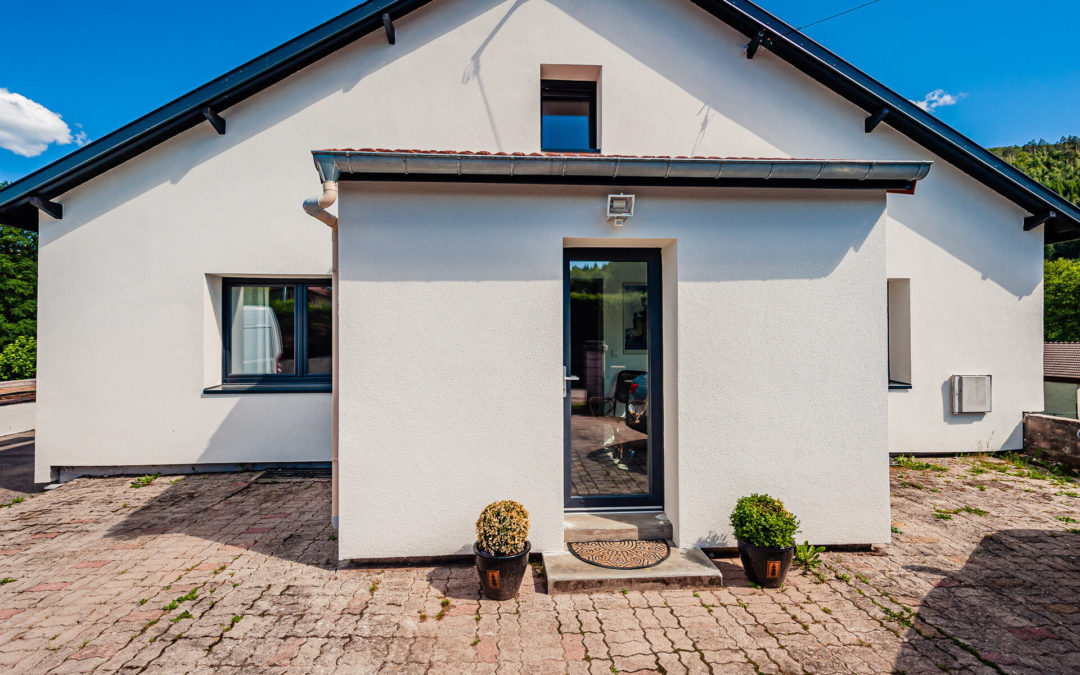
(316, 208)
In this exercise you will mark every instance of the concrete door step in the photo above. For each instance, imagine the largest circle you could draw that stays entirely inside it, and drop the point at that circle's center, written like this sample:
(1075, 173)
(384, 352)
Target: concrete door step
(684, 568)
(615, 526)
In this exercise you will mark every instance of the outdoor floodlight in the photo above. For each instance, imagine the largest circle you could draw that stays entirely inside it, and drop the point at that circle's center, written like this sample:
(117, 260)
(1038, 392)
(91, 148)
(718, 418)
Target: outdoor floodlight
(619, 208)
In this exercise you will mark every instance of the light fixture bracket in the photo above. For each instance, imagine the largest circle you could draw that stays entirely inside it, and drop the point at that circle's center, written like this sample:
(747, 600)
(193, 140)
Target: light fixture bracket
(620, 208)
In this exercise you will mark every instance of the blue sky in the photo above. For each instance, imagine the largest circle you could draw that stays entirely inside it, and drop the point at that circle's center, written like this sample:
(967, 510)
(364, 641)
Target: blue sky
(1010, 67)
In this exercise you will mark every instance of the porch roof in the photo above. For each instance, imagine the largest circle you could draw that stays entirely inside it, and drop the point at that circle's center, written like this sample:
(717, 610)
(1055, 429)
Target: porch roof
(595, 169)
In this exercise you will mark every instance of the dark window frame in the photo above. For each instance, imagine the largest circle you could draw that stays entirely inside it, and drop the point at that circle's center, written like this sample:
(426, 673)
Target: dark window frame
(299, 378)
(574, 91)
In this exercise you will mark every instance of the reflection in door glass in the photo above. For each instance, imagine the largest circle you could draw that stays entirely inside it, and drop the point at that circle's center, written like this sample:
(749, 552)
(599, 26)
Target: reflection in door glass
(609, 354)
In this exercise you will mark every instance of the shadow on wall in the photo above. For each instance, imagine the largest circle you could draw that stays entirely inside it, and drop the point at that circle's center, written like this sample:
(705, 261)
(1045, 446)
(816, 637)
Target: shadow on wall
(1014, 440)
(755, 95)
(1015, 602)
(286, 518)
(298, 424)
(252, 117)
(739, 235)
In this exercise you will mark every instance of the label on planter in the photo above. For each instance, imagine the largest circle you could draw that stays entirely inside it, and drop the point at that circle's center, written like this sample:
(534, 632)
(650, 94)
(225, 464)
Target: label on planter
(772, 569)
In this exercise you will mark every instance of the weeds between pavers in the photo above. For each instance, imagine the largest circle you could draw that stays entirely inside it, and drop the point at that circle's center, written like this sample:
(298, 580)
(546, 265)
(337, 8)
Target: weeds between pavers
(143, 481)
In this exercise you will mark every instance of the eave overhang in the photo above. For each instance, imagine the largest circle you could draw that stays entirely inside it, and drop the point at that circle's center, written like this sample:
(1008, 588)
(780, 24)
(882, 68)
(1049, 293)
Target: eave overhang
(616, 170)
(196, 107)
(1061, 217)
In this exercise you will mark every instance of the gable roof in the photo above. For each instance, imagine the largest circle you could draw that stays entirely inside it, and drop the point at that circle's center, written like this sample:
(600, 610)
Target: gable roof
(1062, 218)
(1061, 360)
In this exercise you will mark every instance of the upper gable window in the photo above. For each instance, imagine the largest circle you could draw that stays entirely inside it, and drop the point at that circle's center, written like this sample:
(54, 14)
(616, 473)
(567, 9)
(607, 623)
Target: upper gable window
(568, 116)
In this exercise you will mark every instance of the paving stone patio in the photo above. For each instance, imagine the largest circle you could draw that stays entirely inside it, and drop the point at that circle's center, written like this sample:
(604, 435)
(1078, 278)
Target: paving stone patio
(230, 572)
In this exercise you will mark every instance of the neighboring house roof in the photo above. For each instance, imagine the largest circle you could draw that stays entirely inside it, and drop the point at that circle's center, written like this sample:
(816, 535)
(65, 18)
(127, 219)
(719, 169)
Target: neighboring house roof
(17, 201)
(1061, 360)
(598, 169)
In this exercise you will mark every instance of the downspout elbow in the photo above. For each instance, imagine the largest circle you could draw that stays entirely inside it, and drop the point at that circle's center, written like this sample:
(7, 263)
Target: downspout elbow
(316, 206)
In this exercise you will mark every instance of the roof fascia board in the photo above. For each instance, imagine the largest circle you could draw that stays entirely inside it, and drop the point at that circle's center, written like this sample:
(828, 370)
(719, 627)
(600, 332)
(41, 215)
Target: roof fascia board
(848, 81)
(186, 112)
(746, 17)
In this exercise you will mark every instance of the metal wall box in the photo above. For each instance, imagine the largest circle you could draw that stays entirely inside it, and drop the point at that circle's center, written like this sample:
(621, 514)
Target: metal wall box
(970, 394)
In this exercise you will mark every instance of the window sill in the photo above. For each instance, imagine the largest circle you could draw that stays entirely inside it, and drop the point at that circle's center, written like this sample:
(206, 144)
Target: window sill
(898, 385)
(583, 151)
(282, 388)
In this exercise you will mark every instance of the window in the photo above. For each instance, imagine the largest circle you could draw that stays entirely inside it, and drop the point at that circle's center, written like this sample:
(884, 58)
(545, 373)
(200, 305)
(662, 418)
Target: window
(568, 116)
(899, 333)
(277, 333)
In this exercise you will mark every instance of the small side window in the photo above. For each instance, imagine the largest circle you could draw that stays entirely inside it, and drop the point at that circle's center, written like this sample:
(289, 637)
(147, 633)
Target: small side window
(568, 116)
(899, 333)
(276, 332)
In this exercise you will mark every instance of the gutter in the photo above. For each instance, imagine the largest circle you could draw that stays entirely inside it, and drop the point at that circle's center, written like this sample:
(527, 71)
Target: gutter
(334, 165)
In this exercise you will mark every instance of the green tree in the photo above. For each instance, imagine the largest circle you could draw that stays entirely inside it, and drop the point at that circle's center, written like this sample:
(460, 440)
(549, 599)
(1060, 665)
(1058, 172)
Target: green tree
(1062, 300)
(1055, 165)
(18, 283)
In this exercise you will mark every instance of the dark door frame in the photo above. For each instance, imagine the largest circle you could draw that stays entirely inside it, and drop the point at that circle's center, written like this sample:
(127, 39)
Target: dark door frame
(655, 498)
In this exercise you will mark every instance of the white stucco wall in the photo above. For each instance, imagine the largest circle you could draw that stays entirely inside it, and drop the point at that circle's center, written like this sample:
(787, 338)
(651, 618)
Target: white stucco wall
(17, 418)
(451, 358)
(128, 334)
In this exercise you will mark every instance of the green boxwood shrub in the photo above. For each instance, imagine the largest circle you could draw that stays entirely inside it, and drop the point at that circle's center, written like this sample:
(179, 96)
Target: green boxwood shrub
(763, 521)
(18, 360)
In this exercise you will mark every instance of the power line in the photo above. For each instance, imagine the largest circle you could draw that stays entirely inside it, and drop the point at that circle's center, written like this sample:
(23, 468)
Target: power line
(828, 18)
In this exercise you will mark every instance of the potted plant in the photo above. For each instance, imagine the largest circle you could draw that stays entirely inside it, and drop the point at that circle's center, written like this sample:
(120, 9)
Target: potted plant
(766, 534)
(502, 548)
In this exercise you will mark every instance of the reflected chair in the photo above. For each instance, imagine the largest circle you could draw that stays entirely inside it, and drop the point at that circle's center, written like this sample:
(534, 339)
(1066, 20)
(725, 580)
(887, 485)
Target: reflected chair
(608, 405)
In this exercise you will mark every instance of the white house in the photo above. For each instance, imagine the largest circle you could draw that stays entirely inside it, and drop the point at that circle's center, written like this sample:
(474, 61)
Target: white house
(809, 262)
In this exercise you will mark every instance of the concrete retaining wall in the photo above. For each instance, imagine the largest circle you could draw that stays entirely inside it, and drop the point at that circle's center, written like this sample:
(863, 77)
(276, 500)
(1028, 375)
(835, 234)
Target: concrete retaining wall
(1055, 437)
(16, 418)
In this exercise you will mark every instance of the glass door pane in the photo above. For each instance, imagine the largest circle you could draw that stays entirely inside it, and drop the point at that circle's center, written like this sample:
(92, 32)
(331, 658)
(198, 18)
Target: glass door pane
(611, 455)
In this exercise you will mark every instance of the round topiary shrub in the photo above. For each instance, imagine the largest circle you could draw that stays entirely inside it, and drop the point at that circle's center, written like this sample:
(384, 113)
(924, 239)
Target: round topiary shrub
(762, 521)
(502, 528)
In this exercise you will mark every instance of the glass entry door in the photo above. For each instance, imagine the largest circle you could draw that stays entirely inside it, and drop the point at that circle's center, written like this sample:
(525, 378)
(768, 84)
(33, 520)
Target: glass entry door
(612, 357)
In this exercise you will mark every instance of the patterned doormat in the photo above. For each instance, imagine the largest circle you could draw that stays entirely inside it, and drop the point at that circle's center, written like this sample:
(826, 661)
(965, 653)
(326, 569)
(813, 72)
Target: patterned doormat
(621, 555)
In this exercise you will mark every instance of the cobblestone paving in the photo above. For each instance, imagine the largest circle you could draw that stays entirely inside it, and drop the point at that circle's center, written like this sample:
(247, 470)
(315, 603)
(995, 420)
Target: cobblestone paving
(609, 458)
(223, 573)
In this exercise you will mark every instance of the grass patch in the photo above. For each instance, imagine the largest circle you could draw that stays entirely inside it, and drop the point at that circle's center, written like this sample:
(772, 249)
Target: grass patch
(942, 515)
(143, 481)
(896, 530)
(972, 510)
(181, 616)
(909, 462)
(1067, 519)
(13, 502)
(7, 580)
(232, 622)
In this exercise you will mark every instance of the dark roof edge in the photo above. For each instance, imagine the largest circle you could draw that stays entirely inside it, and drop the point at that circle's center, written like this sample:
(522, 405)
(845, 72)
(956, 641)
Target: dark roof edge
(186, 112)
(746, 17)
(904, 116)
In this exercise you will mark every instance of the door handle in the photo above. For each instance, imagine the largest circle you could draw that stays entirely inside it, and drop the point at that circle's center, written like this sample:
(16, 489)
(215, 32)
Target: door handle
(567, 379)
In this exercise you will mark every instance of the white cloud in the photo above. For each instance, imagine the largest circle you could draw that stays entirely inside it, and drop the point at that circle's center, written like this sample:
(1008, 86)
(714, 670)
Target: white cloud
(27, 128)
(938, 98)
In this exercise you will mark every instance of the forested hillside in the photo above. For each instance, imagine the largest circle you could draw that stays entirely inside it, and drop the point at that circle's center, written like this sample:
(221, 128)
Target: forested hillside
(1055, 165)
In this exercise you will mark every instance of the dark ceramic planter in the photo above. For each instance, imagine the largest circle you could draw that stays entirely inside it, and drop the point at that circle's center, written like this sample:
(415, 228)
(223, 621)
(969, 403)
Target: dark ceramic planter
(765, 566)
(500, 576)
